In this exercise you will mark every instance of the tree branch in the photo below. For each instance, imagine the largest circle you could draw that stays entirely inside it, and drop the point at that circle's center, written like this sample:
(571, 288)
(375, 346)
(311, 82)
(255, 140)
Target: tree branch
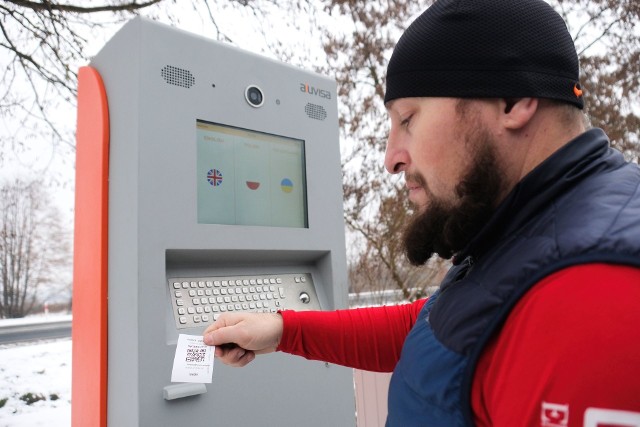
(49, 6)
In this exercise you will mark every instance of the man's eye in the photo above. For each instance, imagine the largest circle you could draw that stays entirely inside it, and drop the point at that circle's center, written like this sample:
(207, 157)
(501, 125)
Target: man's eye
(404, 123)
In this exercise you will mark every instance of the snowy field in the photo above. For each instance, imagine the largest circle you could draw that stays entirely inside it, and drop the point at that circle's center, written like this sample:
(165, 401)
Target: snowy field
(35, 383)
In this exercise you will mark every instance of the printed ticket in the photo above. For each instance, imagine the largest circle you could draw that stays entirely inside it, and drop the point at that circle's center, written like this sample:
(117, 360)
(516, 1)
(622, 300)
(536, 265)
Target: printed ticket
(193, 362)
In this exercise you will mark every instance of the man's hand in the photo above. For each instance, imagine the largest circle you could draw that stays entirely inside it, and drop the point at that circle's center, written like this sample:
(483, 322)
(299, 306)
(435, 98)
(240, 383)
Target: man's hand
(238, 337)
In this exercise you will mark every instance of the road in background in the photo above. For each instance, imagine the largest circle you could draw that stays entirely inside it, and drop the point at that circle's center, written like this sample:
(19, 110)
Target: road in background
(38, 330)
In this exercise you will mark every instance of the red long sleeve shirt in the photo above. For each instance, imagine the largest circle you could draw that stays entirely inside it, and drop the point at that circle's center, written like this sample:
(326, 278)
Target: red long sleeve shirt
(568, 355)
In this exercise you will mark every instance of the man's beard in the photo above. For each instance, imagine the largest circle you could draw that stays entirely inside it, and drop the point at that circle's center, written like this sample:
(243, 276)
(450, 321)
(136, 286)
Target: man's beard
(445, 227)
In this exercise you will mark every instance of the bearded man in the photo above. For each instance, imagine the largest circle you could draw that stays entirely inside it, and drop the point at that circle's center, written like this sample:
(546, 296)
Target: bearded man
(536, 323)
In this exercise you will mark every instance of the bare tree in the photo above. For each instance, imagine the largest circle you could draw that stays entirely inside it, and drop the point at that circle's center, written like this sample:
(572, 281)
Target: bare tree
(608, 43)
(34, 249)
(43, 43)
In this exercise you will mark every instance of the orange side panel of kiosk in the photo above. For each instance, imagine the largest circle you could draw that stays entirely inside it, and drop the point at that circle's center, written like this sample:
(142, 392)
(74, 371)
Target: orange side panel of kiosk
(89, 327)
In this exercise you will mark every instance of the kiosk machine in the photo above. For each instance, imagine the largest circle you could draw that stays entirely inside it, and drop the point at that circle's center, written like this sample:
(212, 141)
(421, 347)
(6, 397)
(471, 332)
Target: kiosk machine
(208, 180)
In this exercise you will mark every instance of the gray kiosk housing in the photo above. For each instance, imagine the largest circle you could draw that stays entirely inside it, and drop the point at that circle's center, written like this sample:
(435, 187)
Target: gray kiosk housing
(163, 86)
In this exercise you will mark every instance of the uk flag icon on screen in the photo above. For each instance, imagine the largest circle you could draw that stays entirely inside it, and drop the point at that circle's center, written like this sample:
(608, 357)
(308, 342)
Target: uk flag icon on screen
(214, 176)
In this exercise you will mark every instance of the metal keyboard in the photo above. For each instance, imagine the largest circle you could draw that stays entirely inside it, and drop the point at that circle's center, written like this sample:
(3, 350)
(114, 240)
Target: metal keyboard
(198, 301)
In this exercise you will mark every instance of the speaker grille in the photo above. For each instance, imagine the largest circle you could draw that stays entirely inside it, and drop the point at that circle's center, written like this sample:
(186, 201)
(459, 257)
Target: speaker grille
(177, 76)
(315, 111)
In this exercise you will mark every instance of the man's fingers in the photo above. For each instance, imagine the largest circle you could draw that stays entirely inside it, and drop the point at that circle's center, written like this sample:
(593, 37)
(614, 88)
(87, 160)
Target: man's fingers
(220, 336)
(222, 331)
(238, 337)
(226, 319)
(234, 356)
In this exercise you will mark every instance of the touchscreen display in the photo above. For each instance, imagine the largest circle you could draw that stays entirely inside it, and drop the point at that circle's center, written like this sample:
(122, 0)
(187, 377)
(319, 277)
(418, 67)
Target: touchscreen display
(249, 178)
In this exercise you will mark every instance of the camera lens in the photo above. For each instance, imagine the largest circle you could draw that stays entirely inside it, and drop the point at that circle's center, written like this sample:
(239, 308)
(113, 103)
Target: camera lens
(253, 95)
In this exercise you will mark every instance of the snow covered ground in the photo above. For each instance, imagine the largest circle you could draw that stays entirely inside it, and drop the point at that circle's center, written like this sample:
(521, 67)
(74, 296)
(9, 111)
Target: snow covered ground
(32, 371)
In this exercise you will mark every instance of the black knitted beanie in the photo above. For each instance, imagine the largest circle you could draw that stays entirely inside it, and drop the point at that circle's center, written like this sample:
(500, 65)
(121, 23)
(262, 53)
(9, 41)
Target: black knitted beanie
(486, 49)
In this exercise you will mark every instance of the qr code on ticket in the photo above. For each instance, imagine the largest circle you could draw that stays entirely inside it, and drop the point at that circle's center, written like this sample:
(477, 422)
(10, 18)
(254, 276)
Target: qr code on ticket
(195, 355)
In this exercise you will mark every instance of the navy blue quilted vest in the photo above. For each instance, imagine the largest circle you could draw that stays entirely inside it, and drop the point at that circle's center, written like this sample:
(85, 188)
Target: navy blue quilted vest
(582, 205)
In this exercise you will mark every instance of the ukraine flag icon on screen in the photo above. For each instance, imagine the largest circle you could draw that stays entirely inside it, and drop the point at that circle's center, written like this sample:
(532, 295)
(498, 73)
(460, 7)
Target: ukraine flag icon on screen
(286, 185)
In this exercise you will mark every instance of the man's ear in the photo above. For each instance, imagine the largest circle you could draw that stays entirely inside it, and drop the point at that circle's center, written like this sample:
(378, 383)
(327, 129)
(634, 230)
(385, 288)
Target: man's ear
(517, 112)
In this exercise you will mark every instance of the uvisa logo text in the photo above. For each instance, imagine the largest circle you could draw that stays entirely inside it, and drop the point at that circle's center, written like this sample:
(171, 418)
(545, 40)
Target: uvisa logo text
(315, 91)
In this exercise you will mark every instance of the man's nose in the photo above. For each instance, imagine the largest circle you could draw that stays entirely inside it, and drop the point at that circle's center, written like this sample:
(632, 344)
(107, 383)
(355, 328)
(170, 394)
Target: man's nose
(396, 158)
